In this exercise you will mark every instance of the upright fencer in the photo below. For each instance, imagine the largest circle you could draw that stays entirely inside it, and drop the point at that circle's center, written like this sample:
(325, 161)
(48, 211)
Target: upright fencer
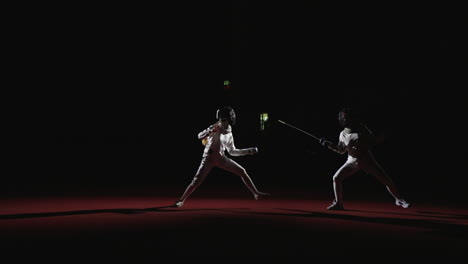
(218, 139)
(357, 140)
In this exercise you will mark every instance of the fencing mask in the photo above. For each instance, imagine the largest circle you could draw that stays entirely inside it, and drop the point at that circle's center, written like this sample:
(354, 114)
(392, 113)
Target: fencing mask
(226, 113)
(347, 118)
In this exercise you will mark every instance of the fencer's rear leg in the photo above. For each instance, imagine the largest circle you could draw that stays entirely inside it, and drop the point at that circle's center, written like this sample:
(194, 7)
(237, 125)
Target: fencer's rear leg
(203, 170)
(377, 171)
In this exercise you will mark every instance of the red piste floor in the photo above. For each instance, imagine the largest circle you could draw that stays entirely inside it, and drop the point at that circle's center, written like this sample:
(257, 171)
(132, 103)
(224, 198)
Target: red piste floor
(145, 227)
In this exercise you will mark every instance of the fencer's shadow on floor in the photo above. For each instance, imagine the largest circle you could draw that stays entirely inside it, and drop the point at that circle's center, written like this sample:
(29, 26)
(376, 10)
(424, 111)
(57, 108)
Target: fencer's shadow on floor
(445, 215)
(418, 214)
(167, 208)
(426, 223)
(459, 230)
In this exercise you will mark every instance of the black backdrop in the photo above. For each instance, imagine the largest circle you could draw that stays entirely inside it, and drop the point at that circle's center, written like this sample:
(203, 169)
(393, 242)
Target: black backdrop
(127, 89)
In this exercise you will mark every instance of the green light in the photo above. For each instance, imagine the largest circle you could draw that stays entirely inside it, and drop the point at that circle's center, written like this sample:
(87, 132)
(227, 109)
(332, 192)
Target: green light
(263, 120)
(226, 82)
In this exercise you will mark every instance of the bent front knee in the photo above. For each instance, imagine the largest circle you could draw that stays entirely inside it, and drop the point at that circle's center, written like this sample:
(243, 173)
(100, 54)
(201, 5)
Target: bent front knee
(337, 179)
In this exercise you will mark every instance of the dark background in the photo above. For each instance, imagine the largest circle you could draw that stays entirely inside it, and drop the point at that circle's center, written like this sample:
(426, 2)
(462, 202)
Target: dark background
(124, 90)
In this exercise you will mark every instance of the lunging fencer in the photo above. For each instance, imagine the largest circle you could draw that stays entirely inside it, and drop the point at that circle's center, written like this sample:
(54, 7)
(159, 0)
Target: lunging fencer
(218, 139)
(356, 139)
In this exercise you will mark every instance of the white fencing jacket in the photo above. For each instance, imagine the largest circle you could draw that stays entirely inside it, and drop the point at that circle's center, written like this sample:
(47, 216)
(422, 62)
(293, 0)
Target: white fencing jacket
(218, 142)
(357, 143)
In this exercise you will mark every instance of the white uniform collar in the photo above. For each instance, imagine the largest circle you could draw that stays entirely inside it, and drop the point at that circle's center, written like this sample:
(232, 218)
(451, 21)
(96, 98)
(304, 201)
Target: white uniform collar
(225, 131)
